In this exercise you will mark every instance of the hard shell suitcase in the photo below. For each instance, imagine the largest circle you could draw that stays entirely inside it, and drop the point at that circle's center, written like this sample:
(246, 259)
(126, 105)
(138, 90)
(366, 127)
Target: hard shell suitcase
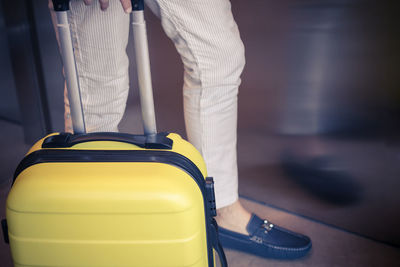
(112, 199)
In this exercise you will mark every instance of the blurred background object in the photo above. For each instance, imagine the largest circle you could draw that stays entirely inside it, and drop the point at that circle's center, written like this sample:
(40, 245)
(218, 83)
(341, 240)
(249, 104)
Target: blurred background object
(341, 62)
(320, 99)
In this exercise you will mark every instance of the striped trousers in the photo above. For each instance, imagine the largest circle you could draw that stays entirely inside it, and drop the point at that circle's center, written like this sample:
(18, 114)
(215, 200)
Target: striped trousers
(208, 41)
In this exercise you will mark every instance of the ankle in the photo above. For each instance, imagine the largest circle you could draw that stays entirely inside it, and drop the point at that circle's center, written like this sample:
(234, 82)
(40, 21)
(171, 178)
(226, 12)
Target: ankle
(234, 217)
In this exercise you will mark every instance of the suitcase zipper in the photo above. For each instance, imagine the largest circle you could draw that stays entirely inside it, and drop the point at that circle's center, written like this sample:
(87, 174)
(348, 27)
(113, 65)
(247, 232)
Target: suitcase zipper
(62, 155)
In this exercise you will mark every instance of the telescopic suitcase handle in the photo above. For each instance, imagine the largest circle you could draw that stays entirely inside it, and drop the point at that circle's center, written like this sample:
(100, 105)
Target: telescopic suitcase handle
(142, 64)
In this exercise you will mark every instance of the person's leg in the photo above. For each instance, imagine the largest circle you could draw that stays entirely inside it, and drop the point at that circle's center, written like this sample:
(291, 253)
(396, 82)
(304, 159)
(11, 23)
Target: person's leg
(100, 40)
(208, 40)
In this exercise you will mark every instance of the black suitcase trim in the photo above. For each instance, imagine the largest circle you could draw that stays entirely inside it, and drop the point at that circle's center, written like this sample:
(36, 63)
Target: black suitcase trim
(66, 140)
(76, 155)
(166, 157)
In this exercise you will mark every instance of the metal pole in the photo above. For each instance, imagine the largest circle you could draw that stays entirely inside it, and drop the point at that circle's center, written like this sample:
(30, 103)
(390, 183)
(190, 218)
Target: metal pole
(143, 70)
(71, 75)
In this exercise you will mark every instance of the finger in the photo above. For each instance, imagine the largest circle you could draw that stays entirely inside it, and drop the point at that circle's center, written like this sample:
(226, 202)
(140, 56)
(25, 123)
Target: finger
(104, 4)
(126, 5)
(88, 2)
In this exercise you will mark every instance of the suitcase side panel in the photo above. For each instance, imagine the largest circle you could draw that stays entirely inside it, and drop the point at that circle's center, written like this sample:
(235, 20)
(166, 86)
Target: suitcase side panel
(106, 187)
(67, 219)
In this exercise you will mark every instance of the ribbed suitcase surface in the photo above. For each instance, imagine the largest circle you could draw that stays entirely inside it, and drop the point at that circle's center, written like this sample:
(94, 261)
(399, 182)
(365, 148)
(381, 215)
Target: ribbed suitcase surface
(110, 203)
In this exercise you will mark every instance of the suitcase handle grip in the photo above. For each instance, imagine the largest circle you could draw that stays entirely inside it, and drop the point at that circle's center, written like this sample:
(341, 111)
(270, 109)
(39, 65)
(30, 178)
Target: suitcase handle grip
(65, 140)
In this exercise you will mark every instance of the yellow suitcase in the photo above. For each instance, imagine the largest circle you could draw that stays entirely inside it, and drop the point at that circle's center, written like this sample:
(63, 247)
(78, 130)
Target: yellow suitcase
(111, 199)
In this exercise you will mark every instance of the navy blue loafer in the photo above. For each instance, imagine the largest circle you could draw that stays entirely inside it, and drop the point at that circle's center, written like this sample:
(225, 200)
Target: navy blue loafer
(266, 240)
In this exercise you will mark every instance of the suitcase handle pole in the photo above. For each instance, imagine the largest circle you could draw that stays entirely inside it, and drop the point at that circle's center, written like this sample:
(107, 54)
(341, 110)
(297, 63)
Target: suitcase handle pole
(143, 67)
(142, 64)
(71, 77)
